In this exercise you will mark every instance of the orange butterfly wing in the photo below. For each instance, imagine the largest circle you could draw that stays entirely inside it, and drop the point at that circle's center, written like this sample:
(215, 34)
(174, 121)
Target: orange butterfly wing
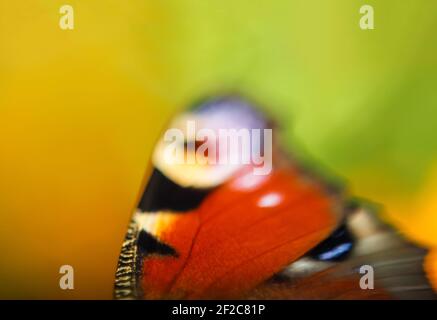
(243, 233)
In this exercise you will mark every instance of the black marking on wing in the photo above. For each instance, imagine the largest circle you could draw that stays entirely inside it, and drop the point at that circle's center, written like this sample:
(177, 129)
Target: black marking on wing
(163, 194)
(335, 248)
(148, 244)
(137, 245)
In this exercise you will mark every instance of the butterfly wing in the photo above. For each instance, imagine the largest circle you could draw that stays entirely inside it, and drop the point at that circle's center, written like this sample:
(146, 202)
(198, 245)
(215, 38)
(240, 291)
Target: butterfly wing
(243, 233)
(397, 269)
(223, 232)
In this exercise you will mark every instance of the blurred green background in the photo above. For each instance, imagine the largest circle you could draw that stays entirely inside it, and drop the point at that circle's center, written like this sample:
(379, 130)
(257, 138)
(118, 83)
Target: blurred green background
(80, 111)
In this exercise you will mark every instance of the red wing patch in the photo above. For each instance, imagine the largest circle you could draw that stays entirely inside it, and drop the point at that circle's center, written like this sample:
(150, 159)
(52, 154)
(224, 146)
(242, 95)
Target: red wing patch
(243, 233)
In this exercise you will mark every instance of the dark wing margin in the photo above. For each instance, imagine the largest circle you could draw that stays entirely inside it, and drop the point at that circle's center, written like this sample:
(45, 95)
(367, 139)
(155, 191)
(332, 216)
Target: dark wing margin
(137, 245)
(126, 274)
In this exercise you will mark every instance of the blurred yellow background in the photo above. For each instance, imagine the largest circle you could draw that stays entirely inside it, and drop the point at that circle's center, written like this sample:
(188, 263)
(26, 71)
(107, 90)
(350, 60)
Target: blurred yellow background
(80, 111)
